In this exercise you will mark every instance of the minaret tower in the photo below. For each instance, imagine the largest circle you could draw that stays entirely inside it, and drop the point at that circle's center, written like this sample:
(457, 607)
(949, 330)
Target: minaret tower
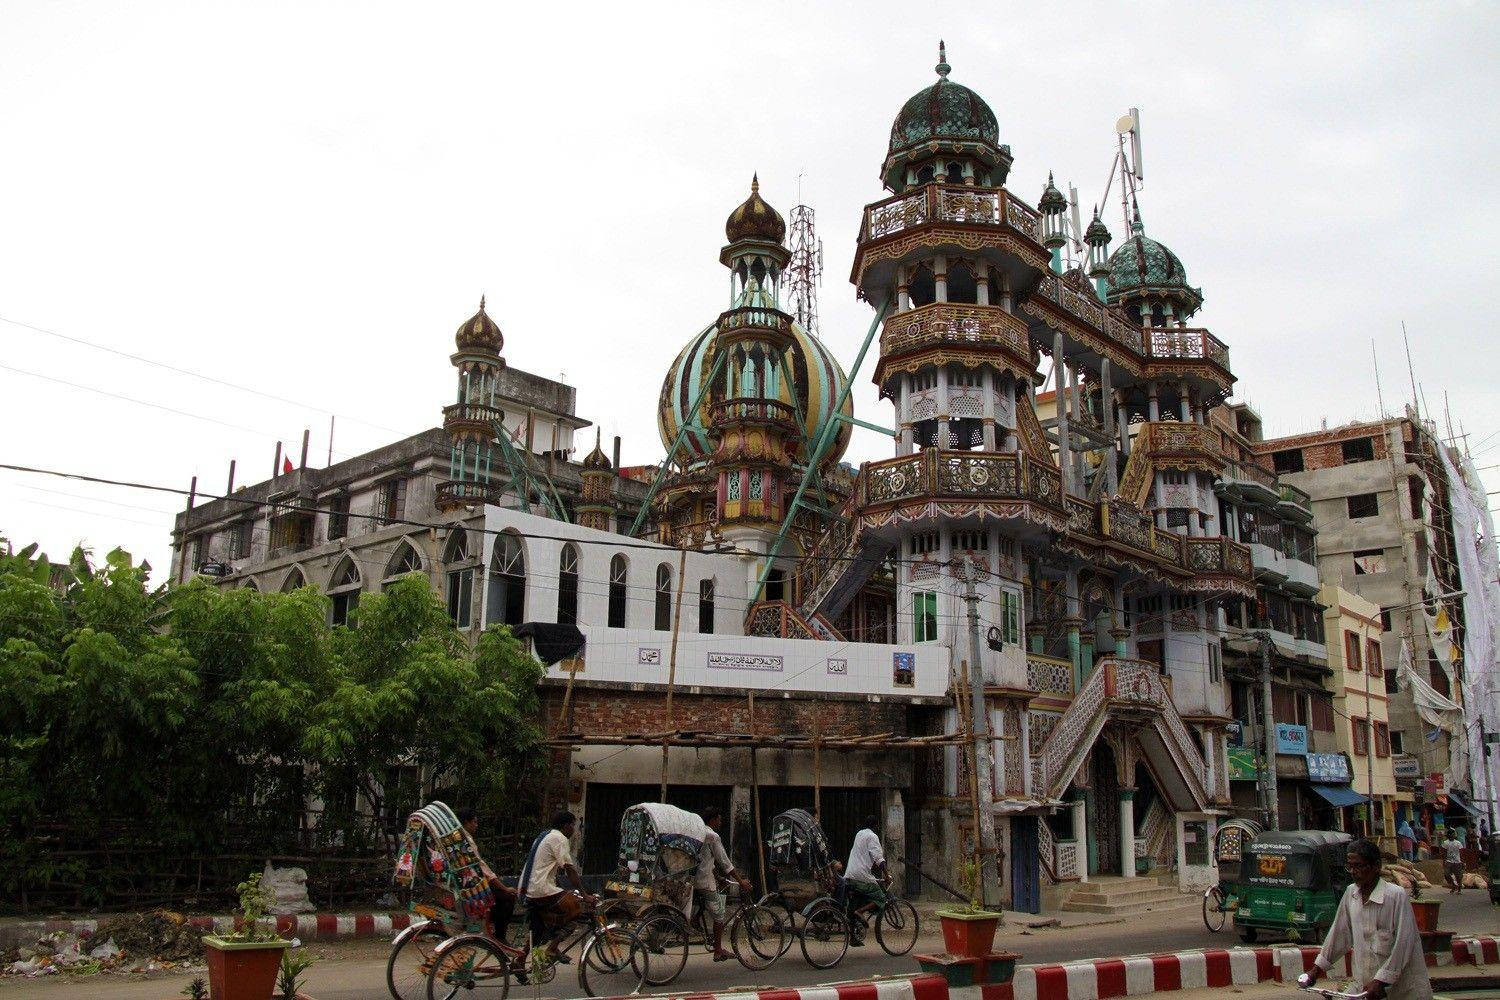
(469, 422)
(757, 432)
(595, 504)
(1097, 237)
(1052, 206)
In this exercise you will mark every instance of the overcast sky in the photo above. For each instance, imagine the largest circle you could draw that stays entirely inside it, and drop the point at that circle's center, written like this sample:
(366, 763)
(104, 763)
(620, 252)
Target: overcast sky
(306, 198)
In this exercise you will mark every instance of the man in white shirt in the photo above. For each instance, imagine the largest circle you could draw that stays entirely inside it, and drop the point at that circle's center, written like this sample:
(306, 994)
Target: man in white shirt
(550, 906)
(1453, 861)
(1375, 922)
(865, 876)
(714, 861)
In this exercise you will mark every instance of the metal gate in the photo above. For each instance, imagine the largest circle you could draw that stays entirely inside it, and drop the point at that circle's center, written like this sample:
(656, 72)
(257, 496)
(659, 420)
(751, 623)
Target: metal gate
(605, 803)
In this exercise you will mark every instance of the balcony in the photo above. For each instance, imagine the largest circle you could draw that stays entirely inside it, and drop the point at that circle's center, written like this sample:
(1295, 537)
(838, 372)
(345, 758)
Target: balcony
(948, 324)
(1294, 502)
(452, 494)
(964, 475)
(950, 203)
(478, 417)
(1174, 343)
(1178, 444)
(752, 410)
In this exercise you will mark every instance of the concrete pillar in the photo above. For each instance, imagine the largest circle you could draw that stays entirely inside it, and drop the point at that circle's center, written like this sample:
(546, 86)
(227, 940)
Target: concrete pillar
(987, 390)
(1121, 636)
(1080, 829)
(1153, 405)
(1064, 455)
(940, 279)
(1127, 832)
(1194, 525)
(982, 285)
(1184, 404)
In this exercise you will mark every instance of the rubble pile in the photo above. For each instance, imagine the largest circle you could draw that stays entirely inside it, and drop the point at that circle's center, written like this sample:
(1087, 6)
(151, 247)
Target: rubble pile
(139, 942)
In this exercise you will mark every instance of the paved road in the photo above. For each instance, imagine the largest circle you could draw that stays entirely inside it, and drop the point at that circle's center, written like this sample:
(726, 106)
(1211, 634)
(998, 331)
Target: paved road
(356, 970)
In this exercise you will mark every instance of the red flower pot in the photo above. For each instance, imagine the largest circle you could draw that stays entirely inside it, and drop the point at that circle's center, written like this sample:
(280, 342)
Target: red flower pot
(242, 970)
(970, 935)
(1426, 912)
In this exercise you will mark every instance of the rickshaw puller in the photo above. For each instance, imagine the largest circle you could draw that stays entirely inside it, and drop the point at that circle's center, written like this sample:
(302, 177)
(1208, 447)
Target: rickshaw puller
(548, 903)
(712, 862)
(865, 878)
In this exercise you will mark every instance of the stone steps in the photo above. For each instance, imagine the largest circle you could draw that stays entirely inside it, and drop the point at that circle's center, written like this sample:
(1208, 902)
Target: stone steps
(1123, 896)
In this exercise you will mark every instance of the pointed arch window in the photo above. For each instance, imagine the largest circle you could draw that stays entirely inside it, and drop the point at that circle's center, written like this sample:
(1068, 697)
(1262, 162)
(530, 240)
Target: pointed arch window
(706, 606)
(663, 598)
(618, 570)
(507, 583)
(460, 578)
(293, 580)
(567, 586)
(405, 560)
(343, 593)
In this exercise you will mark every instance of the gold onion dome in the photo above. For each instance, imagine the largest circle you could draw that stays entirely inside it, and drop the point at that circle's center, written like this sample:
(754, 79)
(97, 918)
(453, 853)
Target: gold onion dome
(596, 460)
(480, 333)
(754, 219)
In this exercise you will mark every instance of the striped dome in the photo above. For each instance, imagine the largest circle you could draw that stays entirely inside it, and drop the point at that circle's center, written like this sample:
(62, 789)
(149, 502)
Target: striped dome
(817, 379)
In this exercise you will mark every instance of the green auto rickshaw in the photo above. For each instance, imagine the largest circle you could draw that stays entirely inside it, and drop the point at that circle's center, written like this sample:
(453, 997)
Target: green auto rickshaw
(1290, 883)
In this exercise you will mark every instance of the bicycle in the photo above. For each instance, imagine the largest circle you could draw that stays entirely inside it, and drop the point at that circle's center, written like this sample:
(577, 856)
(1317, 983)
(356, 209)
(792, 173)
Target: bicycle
(823, 934)
(611, 962)
(756, 936)
(1327, 994)
(897, 926)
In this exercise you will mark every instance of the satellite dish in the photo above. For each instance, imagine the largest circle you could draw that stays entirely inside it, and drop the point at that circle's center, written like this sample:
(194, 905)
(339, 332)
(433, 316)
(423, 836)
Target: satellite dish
(1126, 124)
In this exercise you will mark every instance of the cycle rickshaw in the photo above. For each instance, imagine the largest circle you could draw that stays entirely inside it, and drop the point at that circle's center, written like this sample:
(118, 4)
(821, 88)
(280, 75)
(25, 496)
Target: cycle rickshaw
(808, 885)
(660, 850)
(1221, 900)
(449, 950)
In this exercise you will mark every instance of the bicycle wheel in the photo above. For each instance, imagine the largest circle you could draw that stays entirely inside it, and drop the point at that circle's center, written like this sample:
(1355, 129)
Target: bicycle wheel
(613, 963)
(825, 935)
(777, 904)
(411, 959)
(896, 927)
(664, 948)
(1213, 909)
(471, 966)
(758, 936)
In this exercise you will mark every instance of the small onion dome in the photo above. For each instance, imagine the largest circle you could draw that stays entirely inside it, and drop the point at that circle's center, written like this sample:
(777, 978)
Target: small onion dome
(944, 111)
(480, 333)
(1052, 199)
(754, 219)
(596, 461)
(1097, 234)
(1142, 266)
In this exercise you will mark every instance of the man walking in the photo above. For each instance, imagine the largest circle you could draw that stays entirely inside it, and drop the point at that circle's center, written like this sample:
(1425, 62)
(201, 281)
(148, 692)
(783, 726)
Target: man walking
(865, 877)
(714, 861)
(1375, 922)
(1453, 861)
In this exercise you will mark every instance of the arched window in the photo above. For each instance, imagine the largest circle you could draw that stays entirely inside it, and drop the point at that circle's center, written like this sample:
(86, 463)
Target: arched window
(618, 568)
(460, 578)
(962, 285)
(663, 598)
(567, 586)
(955, 173)
(706, 606)
(404, 560)
(925, 175)
(923, 289)
(343, 592)
(507, 597)
(293, 580)
(776, 585)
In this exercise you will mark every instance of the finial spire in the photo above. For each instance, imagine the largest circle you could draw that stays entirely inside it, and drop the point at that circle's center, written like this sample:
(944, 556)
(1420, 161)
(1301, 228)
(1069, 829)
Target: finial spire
(943, 69)
(1135, 224)
(481, 302)
(755, 183)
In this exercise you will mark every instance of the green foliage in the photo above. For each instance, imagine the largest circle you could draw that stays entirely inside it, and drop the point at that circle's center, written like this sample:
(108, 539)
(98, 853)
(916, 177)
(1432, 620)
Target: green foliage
(196, 990)
(186, 712)
(255, 902)
(294, 962)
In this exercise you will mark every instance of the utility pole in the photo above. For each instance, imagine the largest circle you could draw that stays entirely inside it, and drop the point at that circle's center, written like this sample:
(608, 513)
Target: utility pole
(983, 767)
(1484, 762)
(1268, 735)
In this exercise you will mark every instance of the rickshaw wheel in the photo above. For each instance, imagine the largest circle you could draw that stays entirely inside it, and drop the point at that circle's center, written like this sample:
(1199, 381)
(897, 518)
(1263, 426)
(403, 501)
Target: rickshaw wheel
(663, 951)
(897, 927)
(1248, 935)
(777, 904)
(406, 969)
(824, 936)
(474, 964)
(1213, 909)
(759, 936)
(612, 962)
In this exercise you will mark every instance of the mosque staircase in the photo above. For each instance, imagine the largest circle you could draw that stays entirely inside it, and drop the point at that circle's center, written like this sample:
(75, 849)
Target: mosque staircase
(1123, 688)
(1135, 483)
(1118, 896)
(843, 559)
(779, 620)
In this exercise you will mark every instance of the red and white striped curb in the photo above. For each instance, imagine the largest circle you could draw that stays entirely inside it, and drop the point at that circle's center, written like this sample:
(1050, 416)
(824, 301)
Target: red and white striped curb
(1102, 979)
(306, 926)
(923, 987)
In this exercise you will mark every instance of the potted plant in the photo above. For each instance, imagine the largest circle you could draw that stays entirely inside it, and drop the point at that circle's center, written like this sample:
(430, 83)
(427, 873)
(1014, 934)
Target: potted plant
(969, 929)
(1425, 910)
(244, 964)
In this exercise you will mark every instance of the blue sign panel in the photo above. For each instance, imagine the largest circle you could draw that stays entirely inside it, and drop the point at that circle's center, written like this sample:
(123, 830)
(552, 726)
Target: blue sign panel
(1328, 768)
(1291, 739)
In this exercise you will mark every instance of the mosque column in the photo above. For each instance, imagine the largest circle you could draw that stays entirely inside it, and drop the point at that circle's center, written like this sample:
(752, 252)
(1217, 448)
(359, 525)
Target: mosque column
(1127, 832)
(1080, 829)
(1153, 406)
(982, 284)
(1123, 422)
(1184, 406)
(1073, 622)
(906, 443)
(1194, 525)
(940, 279)
(988, 388)
(942, 407)
(903, 289)
(1107, 405)
(1064, 455)
(1121, 636)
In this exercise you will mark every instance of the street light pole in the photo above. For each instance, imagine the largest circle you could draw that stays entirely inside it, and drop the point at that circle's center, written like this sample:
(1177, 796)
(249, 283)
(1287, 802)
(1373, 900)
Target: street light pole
(1268, 734)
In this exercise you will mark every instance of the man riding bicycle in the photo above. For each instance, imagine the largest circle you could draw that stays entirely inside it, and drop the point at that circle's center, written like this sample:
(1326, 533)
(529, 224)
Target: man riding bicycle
(865, 878)
(550, 907)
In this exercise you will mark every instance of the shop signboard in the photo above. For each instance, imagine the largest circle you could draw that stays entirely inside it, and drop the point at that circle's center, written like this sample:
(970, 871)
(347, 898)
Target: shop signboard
(1406, 766)
(1328, 768)
(1242, 764)
(1290, 738)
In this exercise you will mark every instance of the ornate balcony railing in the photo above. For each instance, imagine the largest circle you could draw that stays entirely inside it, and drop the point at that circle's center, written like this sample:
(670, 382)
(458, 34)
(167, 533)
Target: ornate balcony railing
(754, 318)
(1217, 555)
(477, 415)
(751, 409)
(1049, 674)
(463, 493)
(1175, 343)
(949, 324)
(1175, 438)
(950, 203)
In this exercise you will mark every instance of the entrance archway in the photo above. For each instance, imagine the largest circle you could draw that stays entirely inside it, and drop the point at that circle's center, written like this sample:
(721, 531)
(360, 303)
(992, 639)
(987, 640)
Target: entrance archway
(1104, 814)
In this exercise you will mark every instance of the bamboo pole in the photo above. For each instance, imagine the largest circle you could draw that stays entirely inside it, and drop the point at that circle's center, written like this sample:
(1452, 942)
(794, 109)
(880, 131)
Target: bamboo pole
(672, 667)
(760, 851)
(818, 761)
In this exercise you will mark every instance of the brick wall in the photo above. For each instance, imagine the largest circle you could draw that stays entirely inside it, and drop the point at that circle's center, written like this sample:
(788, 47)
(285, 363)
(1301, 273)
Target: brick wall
(602, 710)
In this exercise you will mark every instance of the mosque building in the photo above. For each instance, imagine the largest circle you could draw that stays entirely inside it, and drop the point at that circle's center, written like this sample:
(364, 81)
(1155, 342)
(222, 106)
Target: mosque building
(755, 589)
